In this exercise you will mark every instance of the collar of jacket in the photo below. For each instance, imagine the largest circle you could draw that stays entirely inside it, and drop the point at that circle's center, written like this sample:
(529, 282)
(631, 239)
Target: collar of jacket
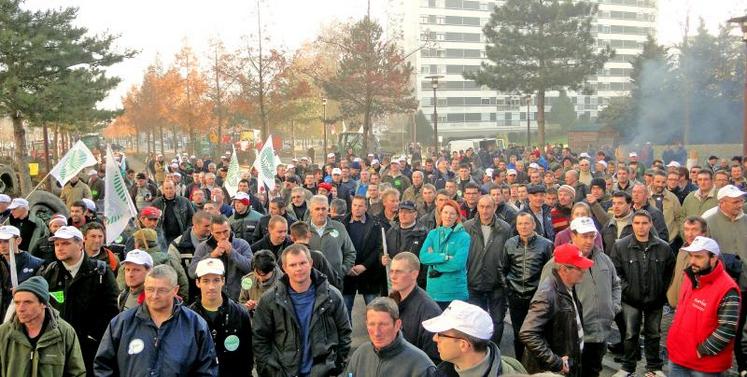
(50, 334)
(392, 349)
(531, 239)
(222, 309)
(213, 243)
(317, 279)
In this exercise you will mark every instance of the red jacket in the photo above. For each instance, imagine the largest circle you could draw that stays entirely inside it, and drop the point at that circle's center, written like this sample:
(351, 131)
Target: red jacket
(696, 319)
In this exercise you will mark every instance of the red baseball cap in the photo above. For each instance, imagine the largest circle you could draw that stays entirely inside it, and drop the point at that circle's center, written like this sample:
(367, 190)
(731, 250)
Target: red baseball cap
(150, 212)
(326, 186)
(571, 255)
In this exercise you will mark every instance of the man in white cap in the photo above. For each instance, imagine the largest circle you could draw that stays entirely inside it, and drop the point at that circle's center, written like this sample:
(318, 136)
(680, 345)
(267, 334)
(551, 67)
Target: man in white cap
(4, 211)
(462, 334)
(396, 178)
(702, 335)
(727, 226)
(229, 323)
(75, 190)
(599, 293)
(33, 230)
(137, 264)
(27, 265)
(83, 290)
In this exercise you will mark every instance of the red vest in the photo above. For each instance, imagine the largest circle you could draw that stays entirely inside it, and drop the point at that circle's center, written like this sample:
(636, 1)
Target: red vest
(696, 319)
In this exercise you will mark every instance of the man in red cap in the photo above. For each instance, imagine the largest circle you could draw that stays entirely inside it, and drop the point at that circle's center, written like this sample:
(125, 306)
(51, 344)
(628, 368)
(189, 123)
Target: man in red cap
(149, 219)
(555, 306)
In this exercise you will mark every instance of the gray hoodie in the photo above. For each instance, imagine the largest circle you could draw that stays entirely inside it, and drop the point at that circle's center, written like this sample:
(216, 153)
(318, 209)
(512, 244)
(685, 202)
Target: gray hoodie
(398, 359)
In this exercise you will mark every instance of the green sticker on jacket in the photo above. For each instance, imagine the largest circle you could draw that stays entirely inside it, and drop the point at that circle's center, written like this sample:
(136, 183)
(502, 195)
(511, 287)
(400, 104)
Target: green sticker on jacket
(231, 343)
(58, 296)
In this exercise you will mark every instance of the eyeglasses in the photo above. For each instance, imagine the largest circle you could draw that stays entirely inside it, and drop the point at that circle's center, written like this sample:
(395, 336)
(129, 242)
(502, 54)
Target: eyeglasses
(442, 335)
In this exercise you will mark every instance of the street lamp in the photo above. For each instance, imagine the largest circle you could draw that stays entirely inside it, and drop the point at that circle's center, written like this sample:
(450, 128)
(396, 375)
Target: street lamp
(434, 82)
(529, 102)
(742, 22)
(324, 126)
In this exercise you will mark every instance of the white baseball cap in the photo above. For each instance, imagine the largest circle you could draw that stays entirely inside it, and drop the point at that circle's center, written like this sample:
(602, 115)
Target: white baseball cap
(374, 161)
(18, 203)
(461, 316)
(240, 195)
(5, 198)
(583, 225)
(534, 165)
(210, 266)
(602, 162)
(139, 257)
(673, 164)
(67, 232)
(701, 243)
(92, 172)
(511, 172)
(90, 205)
(584, 155)
(489, 172)
(7, 232)
(730, 191)
(632, 154)
(336, 171)
(330, 155)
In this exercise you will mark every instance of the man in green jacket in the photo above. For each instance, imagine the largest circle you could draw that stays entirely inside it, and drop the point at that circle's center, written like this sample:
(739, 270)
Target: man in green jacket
(37, 342)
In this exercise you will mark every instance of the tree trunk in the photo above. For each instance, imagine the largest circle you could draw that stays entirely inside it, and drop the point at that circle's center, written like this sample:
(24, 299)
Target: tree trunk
(366, 131)
(21, 160)
(160, 131)
(540, 118)
(56, 150)
(176, 143)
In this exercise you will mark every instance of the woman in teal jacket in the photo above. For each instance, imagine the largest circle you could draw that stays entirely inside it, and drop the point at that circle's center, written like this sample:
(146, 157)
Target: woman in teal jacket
(445, 253)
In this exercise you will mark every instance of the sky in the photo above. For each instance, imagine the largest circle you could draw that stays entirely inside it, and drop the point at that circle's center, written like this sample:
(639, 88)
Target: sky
(159, 28)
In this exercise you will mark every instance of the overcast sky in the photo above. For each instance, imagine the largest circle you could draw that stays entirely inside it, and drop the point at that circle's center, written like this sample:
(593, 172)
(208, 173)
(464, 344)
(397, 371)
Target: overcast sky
(160, 27)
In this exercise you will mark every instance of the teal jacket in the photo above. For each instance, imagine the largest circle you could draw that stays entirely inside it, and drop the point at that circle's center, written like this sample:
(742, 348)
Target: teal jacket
(445, 252)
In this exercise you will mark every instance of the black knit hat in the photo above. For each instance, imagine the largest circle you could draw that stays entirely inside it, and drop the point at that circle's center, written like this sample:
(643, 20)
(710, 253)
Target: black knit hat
(599, 182)
(36, 285)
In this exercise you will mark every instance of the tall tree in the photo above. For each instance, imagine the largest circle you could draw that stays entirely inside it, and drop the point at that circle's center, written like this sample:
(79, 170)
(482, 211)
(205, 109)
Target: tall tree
(372, 76)
(42, 52)
(540, 45)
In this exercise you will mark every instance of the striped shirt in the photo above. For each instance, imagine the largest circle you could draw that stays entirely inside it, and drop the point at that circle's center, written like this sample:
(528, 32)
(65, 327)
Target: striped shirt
(728, 315)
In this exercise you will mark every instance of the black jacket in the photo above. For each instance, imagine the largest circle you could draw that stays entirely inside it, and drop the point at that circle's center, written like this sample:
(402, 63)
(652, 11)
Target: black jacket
(261, 229)
(522, 264)
(506, 213)
(413, 310)
(368, 253)
(645, 271)
(232, 335)
(550, 329)
(609, 235)
(183, 211)
(484, 264)
(543, 228)
(87, 302)
(276, 334)
(411, 239)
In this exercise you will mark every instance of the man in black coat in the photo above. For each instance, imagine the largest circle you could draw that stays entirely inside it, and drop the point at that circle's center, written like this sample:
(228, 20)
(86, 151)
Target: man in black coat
(367, 275)
(84, 291)
(277, 207)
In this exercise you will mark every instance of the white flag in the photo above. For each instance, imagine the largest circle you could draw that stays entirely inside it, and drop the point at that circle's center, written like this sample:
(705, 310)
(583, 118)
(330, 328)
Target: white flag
(233, 177)
(77, 158)
(265, 165)
(118, 206)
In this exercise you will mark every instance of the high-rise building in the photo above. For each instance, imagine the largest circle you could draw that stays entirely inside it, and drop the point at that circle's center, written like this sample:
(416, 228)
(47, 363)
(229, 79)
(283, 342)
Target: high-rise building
(445, 38)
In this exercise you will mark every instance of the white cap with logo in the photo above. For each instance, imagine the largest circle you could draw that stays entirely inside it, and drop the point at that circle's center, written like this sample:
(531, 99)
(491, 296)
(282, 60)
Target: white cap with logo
(67, 232)
(240, 195)
(90, 205)
(139, 257)
(583, 225)
(210, 266)
(701, 243)
(336, 171)
(461, 316)
(5, 198)
(8, 231)
(730, 191)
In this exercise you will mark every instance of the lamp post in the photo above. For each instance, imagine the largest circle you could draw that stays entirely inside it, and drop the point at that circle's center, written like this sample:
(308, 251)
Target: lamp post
(742, 22)
(529, 135)
(324, 125)
(434, 83)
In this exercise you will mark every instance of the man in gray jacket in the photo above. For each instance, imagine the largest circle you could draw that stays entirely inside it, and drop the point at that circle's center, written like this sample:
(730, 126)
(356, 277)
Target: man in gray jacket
(599, 293)
(388, 353)
(235, 253)
(330, 237)
(484, 270)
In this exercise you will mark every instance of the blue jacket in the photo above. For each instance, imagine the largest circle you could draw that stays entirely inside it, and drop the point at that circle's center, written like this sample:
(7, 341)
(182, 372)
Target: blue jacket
(445, 252)
(27, 266)
(133, 346)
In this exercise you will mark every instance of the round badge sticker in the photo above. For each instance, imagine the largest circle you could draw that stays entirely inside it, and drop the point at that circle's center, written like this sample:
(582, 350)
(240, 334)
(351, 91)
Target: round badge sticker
(334, 233)
(231, 343)
(136, 346)
(246, 284)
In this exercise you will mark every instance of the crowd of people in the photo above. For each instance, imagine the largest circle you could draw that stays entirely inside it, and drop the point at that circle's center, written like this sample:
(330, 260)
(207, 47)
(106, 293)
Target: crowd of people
(440, 248)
